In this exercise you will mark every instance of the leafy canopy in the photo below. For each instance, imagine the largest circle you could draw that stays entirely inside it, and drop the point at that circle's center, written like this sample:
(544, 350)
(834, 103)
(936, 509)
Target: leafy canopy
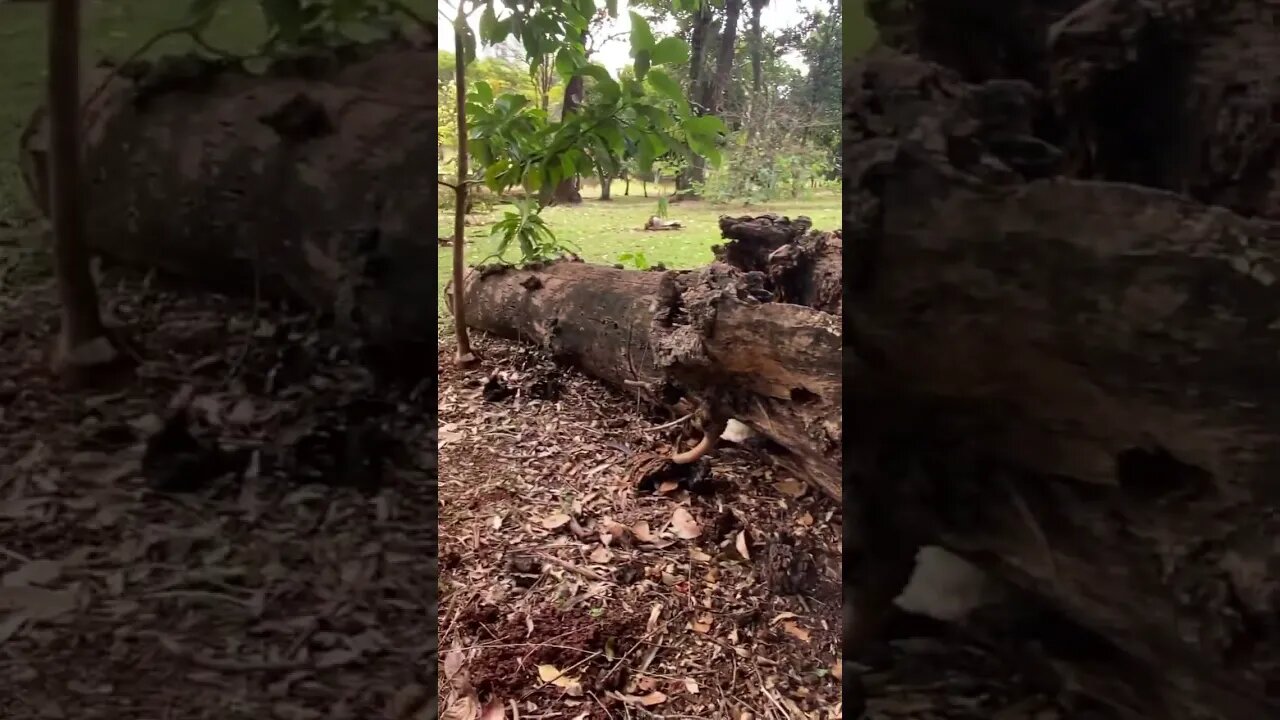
(642, 116)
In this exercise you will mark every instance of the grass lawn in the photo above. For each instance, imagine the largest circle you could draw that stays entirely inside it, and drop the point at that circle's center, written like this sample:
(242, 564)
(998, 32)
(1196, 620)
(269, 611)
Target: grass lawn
(605, 230)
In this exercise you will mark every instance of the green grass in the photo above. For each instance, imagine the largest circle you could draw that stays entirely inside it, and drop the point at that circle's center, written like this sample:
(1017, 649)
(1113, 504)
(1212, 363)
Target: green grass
(605, 230)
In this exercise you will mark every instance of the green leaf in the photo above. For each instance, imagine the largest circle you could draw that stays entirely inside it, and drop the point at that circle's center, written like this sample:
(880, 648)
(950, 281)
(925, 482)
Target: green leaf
(643, 61)
(707, 126)
(491, 30)
(641, 35)
(669, 88)
(566, 65)
(202, 12)
(482, 92)
(284, 17)
(670, 51)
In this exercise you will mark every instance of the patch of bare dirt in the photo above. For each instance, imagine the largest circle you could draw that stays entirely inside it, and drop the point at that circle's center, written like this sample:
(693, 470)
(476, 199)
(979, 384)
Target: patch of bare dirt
(567, 592)
(269, 554)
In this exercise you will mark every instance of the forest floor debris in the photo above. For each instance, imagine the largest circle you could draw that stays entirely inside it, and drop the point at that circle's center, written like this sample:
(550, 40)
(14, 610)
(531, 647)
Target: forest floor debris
(286, 589)
(566, 592)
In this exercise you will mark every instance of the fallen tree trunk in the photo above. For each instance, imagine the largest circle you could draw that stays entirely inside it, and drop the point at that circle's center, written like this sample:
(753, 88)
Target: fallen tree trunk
(1174, 94)
(716, 338)
(1068, 382)
(304, 182)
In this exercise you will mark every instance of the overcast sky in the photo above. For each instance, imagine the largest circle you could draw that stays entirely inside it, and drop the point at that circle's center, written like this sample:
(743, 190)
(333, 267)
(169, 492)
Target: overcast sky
(617, 53)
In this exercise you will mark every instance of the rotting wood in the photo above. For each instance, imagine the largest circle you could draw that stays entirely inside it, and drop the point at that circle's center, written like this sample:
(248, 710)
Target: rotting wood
(305, 182)
(716, 338)
(1067, 382)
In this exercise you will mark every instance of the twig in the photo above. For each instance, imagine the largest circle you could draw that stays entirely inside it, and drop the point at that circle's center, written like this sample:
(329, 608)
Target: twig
(588, 574)
(198, 594)
(191, 30)
(14, 555)
(664, 426)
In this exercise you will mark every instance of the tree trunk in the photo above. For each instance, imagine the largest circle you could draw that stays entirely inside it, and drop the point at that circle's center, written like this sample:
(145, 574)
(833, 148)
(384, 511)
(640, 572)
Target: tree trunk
(1068, 382)
(713, 97)
(757, 66)
(606, 184)
(81, 315)
(308, 186)
(704, 336)
(463, 356)
(697, 77)
(567, 191)
(1176, 99)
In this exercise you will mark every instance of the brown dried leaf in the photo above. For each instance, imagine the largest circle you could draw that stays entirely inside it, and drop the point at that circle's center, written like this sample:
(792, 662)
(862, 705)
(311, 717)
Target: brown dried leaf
(668, 486)
(740, 544)
(601, 555)
(795, 631)
(37, 603)
(791, 487)
(702, 624)
(805, 520)
(642, 533)
(551, 674)
(654, 698)
(465, 707)
(556, 520)
(495, 710)
(35, 572)
(685, 526)
(241, 413)
(452, 663)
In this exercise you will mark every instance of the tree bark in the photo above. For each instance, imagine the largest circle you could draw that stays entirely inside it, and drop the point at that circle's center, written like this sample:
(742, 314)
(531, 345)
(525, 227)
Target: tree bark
(697, 77)
(574, 91)
(81, 315)
(1168, 94)
(463, 356)
(606, 184)
(1066, 381)
(757, 66)
(307, 182)
(713, 91)
(720, 338)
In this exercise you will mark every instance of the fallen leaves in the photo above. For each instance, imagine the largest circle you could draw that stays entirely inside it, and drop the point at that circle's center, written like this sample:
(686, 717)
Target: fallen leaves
(651, 581)
(554, 676)
(795, 631)
(651, 699)
(685, 526)
(740, 544)
(555, 520)
(35, 572)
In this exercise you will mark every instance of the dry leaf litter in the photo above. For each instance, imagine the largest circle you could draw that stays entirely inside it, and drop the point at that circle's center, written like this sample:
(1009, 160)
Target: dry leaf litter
(567, 591)
(269, 554)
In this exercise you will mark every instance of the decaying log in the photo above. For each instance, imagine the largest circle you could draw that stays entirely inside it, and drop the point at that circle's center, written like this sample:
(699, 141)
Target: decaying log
(716, 337)
(306, 180)
(1174, 94)
(1068, 382)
